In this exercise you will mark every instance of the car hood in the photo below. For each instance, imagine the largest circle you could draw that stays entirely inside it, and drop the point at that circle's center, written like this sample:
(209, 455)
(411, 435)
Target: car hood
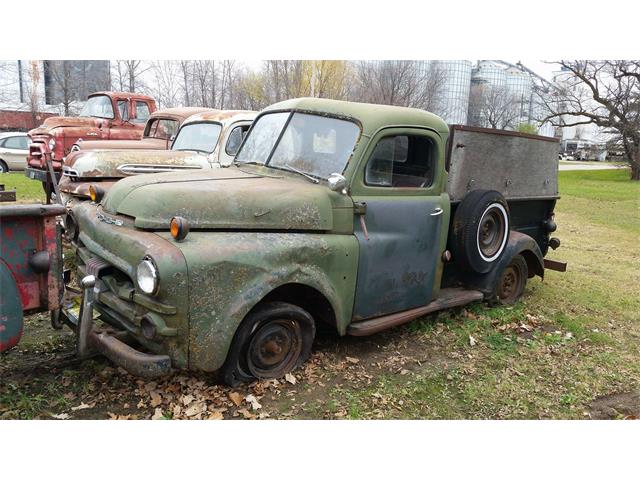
(226, 198)
(55, 122)
(144, 143)
(123, 163)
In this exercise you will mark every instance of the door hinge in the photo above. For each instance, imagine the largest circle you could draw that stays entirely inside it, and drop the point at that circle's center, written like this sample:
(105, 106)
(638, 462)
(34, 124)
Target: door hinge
(360, 208)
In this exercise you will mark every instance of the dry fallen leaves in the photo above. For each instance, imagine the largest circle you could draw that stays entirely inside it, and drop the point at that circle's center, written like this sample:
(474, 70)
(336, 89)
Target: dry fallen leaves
(157, 415)
(472, 341)
(83, 406)
(61, 416)
(290, 378)
(156, 399)
(352, 360)
(236, 398)
(196, 409)
(253, 401)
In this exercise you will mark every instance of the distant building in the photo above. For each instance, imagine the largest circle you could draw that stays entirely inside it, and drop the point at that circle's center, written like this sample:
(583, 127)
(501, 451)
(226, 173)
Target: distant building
(31, 90)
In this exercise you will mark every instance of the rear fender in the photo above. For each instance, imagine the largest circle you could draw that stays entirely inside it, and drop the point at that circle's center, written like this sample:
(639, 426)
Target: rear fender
(518, 243)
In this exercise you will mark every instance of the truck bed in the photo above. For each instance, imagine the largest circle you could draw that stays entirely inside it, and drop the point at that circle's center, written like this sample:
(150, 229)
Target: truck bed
(518, 165)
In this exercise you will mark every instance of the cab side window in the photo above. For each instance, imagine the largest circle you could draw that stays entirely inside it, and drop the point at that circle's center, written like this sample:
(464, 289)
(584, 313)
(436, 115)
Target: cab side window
(235, 139)
(142, 112)
(123, 108)
(402, 161)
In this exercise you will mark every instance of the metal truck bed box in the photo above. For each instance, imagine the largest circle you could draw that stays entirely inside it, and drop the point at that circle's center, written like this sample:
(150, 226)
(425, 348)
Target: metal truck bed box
(515, 164)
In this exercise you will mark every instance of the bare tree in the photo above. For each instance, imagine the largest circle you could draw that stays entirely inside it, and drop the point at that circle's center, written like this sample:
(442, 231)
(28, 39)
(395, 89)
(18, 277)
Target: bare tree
(493, 107)
(166, 83)
(605, 93)
(127, 74)
(65, 81)
(32, 91)
(400, 82)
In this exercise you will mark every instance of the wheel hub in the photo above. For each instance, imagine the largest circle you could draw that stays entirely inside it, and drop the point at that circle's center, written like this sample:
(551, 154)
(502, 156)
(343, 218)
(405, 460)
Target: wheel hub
(274, 349)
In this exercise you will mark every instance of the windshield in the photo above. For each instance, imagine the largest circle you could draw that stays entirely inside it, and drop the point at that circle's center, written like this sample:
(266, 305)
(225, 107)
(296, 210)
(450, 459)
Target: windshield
(99, 106)
(199, 137)
(318, 146)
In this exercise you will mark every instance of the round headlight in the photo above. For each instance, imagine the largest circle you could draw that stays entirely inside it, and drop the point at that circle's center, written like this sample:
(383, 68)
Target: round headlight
(52, 144)
(147, 276)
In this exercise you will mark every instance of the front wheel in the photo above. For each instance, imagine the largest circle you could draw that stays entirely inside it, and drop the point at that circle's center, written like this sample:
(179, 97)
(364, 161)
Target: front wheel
(3, 167)
(512, 281)
(271, 341)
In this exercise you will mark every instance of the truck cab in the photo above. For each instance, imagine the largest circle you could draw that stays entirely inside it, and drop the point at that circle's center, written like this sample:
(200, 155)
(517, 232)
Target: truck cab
(360, 217)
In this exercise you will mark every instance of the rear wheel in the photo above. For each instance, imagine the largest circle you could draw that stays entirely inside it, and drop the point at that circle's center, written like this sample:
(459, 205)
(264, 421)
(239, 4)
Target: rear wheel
(271, 341)
(512, 281)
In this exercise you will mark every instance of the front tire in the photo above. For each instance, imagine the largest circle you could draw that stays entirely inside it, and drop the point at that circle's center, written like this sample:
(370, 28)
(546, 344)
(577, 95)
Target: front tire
(3, 167)
(272, 340)
(512, 281)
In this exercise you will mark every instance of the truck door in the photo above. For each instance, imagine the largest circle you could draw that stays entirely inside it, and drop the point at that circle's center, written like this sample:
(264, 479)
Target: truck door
(401, 220)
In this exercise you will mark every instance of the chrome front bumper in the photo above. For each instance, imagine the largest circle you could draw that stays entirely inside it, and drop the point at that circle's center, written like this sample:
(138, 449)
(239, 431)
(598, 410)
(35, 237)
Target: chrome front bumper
(90, 340)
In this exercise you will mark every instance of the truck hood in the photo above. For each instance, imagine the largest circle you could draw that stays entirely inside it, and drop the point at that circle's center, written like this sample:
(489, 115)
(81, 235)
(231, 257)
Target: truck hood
(122, 163)
(146, 143)
(226, 198)
(55, 122)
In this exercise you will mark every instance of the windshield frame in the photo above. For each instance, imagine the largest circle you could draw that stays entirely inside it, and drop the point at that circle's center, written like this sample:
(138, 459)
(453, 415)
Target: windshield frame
(291, 112)
(210, 122)
(113, 113)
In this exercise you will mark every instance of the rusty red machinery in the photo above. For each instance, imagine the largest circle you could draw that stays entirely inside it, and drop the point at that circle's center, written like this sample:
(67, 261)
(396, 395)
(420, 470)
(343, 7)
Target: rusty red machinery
(31, 268)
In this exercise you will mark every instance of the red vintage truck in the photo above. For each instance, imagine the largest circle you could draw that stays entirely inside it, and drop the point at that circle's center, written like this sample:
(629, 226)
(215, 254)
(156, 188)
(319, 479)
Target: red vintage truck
(105, 116)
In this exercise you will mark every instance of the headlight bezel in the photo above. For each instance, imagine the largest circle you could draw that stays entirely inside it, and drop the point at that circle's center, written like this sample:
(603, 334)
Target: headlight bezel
(148, 267)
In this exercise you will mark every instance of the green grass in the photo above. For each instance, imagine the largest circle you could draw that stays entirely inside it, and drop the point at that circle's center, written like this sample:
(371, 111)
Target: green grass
(27, 190)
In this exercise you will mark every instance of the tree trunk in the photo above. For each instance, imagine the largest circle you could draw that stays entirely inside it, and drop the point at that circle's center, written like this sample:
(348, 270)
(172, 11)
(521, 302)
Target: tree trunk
(634, 161)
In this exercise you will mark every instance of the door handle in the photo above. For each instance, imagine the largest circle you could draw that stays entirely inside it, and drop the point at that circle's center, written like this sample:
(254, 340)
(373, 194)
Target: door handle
(436, 212)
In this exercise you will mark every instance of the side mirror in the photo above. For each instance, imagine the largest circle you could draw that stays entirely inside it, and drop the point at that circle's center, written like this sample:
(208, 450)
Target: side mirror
(337, 183)
(172, 138)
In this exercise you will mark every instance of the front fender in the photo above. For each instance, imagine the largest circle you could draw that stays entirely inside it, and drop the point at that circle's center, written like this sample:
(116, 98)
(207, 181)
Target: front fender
(519, 243)
(231, 272)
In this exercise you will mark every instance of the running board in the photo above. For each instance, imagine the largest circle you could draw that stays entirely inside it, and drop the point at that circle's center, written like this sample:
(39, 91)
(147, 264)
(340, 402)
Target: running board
(449, 297)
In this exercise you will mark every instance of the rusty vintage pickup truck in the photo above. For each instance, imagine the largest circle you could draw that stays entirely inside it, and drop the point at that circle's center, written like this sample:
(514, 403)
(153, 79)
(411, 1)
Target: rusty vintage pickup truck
(360, 217)
(105, 116)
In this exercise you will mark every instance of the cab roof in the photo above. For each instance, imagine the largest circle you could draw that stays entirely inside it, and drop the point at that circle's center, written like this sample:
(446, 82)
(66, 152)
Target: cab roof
(371, 116)
(122, 95)
(178, 113)
(222, 116)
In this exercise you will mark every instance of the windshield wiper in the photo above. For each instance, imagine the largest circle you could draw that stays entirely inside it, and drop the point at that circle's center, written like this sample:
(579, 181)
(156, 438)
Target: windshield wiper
(300, 172)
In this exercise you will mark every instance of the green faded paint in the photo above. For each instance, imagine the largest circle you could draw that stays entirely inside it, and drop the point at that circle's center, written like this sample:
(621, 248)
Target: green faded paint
(229, 273)
(253, 229)
(124, 247)
(219, 199)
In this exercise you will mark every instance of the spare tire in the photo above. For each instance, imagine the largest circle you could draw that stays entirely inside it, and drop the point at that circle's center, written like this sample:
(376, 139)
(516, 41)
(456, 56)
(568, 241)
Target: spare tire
(480, 230)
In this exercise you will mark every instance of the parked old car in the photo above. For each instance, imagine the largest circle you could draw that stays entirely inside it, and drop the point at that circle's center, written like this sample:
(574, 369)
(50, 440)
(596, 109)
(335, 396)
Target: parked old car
(205, 140)
(356, 216)
(14, 148)
(159, 132)
(105, 115)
